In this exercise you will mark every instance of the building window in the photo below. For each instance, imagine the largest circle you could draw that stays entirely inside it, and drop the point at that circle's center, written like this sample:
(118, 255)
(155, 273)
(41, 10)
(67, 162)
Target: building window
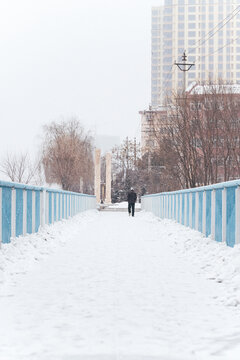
(192, 9)
(167, 10)
(167, 35)
(181, 26)
(167, 19)
(191, 75)
(192, 25)
(167, 27)
(191, 42)
(191, 17)
(191, 58)
(167, 60)
(180, 17)
(192, 33)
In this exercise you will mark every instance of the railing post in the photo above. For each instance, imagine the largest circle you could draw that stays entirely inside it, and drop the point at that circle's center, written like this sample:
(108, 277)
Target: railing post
(13, 213)
(224, 214)
(213, 214)
(0, 216)
(237, 216)
(204, 214)
(190, 210)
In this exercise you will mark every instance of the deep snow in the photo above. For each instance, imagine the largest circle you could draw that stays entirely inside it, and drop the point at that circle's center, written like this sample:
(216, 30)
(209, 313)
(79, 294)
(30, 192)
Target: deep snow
(106, 286)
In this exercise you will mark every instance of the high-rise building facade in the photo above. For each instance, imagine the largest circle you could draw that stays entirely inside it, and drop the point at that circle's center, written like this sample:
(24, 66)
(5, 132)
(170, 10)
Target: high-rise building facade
(209, 32)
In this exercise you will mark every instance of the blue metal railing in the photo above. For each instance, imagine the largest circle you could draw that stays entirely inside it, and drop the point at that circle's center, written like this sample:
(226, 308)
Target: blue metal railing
(24, 208)
(213, 210)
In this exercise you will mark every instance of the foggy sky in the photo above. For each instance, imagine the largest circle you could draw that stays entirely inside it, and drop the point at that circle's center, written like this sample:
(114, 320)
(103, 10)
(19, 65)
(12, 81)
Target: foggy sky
(63, 58)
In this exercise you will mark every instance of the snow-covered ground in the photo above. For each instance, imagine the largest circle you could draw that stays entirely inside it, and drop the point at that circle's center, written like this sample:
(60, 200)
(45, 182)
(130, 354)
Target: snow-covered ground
(106, 286)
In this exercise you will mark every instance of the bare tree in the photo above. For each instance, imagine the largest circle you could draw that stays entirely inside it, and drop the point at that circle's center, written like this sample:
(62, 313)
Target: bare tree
(19, 168)
(67, 155)
(202, 142)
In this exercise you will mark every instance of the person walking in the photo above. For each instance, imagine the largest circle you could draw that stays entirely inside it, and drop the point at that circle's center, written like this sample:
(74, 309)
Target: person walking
(132, 197)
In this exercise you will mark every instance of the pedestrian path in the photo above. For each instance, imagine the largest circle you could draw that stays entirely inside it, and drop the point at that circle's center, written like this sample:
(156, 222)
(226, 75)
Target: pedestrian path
(115, 288)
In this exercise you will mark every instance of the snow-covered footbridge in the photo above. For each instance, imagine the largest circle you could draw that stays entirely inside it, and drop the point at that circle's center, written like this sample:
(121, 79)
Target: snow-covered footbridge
(101, 285)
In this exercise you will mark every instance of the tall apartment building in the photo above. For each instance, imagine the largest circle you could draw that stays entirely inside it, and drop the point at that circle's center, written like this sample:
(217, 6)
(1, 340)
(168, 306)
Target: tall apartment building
(209, 32)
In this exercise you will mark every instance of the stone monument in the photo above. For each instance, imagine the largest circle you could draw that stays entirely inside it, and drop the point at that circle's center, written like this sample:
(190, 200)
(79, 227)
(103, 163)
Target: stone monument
(97, 182)
(108, 199)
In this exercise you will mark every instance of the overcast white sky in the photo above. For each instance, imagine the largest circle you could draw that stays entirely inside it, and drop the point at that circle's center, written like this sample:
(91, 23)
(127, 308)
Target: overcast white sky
(62, 58)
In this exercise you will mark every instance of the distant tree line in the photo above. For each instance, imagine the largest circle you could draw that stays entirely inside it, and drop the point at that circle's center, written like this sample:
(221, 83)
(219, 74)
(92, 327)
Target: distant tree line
(65, 159)
(202, 143)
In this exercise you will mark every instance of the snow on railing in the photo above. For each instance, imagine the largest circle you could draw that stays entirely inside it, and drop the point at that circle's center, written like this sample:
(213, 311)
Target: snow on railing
(213, 210)
(24, 208)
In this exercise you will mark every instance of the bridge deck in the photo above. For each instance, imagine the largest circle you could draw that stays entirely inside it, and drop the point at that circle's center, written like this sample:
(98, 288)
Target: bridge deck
(112, 287)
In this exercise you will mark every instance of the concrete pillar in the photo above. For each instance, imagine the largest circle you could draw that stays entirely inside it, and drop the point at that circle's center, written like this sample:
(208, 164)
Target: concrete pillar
(97, 174)
(108, 199)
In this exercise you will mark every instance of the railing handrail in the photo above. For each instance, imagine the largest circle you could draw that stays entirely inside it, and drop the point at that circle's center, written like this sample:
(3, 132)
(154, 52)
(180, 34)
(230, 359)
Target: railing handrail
(222, 185)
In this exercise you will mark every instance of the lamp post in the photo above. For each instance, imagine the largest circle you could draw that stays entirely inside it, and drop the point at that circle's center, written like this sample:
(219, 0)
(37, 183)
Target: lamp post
(184, 66)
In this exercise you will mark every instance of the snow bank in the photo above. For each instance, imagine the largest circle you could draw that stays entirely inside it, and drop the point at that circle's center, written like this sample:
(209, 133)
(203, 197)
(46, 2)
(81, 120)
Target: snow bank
(217, 261)
(23, 252)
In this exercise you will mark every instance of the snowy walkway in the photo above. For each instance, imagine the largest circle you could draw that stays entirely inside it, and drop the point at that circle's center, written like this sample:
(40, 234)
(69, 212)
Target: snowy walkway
(104, 286)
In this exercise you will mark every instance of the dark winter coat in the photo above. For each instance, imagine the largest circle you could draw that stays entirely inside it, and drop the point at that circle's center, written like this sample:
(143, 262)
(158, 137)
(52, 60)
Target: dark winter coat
(132, 197)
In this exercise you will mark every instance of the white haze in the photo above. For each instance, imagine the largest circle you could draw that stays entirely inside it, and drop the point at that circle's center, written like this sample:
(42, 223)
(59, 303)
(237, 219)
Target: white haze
(62, 58)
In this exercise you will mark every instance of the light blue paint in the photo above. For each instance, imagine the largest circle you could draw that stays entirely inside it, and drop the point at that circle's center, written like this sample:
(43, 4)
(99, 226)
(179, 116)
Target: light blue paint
(183, 209)
(78, 202)
(69, 206)
(6, 214)
(178, 202)
(218, 215)
(37, 211)
(230, 216)
(50, 208)
(200, 211)
(19, 212)
(175, 205)
(63, 206)
(208, 212)
(193, 209)
(55, 206)
(59, 206)
(29, 211)
(188, 210)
